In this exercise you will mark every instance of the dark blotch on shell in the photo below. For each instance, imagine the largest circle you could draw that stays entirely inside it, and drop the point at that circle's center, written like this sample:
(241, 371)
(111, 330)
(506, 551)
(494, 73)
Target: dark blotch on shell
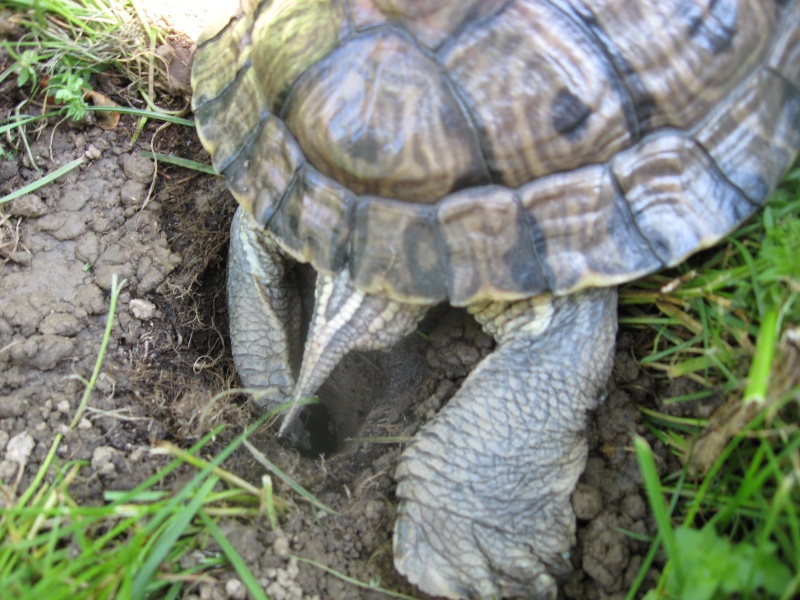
(716, 28)
(570, 115)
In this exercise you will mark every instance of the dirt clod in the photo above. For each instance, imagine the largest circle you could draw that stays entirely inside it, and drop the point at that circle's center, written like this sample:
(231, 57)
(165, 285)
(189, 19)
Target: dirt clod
(587, 502)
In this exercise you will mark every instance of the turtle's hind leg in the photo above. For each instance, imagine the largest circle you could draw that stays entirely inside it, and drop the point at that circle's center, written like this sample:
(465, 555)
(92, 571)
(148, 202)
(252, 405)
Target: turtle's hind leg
(485, 487)
(264, 312)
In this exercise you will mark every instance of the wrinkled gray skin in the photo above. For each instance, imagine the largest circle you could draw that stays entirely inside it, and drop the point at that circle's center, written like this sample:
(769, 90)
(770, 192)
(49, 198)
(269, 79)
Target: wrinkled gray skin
(485, 486)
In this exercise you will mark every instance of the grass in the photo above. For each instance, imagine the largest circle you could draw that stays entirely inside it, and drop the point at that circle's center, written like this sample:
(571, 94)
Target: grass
(729, 521)
(66, 42)
(134, 545)
(62, 45)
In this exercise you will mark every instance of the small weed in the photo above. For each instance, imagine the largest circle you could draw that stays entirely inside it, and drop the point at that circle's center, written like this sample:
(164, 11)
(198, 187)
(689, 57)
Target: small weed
(61, 46)
(714, 565)
(25, 66)
(68, 89)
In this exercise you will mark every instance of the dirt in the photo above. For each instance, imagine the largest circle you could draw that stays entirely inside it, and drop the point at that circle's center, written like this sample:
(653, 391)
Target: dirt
(164, 231)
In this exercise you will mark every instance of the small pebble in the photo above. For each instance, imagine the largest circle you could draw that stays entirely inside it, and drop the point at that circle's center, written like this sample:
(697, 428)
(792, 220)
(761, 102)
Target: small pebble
(235, 589)
(144, 310)
(586, 501)
(20, 447)
(281, 546)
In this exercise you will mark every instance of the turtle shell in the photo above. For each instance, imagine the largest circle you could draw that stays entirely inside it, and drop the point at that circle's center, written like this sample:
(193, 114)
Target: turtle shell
(475, 150)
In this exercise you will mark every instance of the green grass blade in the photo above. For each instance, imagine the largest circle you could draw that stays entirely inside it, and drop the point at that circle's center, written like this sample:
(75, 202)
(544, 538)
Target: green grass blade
(761, 367)
(372, 586)
(233, 557)
(167, 540)
(652, 486)
(49, 178)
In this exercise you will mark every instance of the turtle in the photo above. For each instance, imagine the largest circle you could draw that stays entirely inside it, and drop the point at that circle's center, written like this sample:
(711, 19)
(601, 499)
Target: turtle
(517, 158)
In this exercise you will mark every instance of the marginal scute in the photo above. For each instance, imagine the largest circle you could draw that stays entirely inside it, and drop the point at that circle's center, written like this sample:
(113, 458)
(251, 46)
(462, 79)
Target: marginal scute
(326, 221)
(395, 248)
(583, 232)
(262, 171)
(680, 200)
(311, 224)
(377, 117)
(488, 247)
(227, 122)
(674, 56)
(753, 137)
(289, 36)
(515, 73)
(210, 75)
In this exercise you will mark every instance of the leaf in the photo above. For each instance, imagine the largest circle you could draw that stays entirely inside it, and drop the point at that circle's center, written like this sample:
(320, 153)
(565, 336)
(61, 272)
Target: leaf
(105, 119)
(713, 567)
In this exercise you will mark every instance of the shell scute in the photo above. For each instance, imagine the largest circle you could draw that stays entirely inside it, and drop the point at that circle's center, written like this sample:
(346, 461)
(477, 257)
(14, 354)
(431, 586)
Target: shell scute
(678, 59)
(289, 37)
(488, 247)
(313, 220)
(680, 200)
(542, 94)
(228, 121)
(377, 116)
(222, 52)
(431, 22)
(754, 138)
(785, 58)
(583, 231)
(395, 249)
(260, 174)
